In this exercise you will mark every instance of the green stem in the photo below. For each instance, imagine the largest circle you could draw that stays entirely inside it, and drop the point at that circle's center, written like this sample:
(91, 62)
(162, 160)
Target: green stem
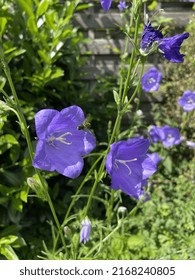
(136, 89)
(127, 82)
(79, 189)
(101, 169)
(103, 241)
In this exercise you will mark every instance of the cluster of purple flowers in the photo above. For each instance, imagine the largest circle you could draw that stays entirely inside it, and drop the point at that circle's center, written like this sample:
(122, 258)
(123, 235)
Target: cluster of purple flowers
(61, 145)
(169, 136)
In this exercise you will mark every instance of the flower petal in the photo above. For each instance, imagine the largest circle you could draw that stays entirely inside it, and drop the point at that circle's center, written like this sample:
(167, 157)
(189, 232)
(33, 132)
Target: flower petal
(66, 159)
(41, 160)
(42, 120)
(106, 4)
(70, 117)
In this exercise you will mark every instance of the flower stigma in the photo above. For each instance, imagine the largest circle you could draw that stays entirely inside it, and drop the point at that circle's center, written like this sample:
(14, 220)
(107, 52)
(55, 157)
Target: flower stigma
(61, 138)
(124, 162)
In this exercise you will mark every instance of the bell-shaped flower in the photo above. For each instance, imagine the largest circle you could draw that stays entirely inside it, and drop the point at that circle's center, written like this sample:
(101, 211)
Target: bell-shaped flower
(170, 47)
(169, 136)
(151, 80)
(106, 4)
(187, 101)
(85, 231)
(61, 143)
(129, 166)
(122, 6)
(150, 38)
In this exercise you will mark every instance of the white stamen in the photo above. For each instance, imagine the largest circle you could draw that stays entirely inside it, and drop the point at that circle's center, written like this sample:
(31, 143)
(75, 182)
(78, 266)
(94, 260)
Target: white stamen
(124, 162)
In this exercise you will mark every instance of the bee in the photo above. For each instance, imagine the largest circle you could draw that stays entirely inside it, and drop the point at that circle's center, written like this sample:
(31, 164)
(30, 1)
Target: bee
(85, 125)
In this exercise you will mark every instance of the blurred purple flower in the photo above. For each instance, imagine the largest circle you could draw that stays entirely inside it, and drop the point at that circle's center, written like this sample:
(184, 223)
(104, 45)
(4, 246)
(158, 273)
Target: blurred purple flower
(85, 231)
(61, 144)
(122, 6)
(167, 135)
(106, 4)
(155, 133)
(150, 36)
(155, 157)
(151, 80)
(171, 47)
(187, 101)
(129, 166)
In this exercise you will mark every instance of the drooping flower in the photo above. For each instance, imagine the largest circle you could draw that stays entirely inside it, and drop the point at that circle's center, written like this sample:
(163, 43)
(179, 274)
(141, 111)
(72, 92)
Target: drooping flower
(169, 136)
(106, 4)
(129, 166)
(187, 101)
(151, 80)
(61, 144)
(122, 6)
(171, 47)
(85, 231)
(150, 37)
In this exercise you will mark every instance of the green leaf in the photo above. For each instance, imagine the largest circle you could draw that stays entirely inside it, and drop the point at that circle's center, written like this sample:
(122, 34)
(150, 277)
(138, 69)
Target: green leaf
(152, 6)
(2, 82)
(6, 142)
(135, 241)
(8, 252)
(168, 164)
(26, 6)
(42, 8)
(8, 239)
(46, 58)
(83, 6)
(58, 73)
(3, 22)
(19, 242)
(31, 24)
(116, 97)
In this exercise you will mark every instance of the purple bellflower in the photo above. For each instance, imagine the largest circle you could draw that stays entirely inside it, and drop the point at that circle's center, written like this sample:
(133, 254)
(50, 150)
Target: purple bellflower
(167, 135)
(61, 144)
(106, 4)
(171, 47)
(187, 101)
(85, 231)
(122, 6)
(129, 166)
(150, 37)
(151, 80)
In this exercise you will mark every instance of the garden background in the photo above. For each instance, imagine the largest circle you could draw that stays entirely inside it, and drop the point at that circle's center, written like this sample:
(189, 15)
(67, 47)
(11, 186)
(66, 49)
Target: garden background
(73, 58)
